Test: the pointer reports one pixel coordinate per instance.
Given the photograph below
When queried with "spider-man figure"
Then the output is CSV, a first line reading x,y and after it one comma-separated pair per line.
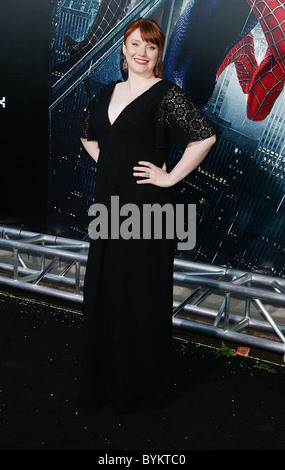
x,y
210,35
205,32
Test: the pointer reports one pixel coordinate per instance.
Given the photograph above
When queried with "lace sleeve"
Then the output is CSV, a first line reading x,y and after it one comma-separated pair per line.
x,y
87,129
180,121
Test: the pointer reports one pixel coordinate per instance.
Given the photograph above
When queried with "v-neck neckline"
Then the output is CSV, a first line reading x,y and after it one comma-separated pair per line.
x,y
130,103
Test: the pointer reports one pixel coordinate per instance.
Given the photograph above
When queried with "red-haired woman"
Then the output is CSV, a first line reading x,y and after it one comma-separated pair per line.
x,y
128,129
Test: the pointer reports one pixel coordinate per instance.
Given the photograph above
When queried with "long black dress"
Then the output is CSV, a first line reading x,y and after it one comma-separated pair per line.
x,y
128,288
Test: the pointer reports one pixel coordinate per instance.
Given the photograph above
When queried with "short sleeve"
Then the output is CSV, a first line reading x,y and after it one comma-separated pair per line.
x,y
87,130
180,121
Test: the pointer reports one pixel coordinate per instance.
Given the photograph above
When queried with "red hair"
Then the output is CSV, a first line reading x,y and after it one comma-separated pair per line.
x,y
150,32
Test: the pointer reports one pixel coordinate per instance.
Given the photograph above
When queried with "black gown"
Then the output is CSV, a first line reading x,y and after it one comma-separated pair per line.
x,y
128,287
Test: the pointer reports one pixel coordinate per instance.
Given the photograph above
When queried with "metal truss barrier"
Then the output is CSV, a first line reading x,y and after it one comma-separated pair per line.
x,y
54,267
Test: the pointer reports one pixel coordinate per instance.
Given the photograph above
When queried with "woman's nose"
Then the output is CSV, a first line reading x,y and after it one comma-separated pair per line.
x,y
142,50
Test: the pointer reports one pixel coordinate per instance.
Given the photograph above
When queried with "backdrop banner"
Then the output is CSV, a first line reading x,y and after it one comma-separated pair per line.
x,y
228,55
24,102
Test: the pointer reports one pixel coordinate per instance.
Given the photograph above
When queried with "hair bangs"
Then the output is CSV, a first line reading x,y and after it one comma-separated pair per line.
x,y
150,32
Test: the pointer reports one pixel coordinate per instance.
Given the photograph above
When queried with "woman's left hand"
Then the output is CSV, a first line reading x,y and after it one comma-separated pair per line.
x,y
155,175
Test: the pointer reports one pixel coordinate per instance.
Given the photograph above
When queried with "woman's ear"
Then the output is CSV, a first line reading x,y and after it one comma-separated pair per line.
x,y
124,48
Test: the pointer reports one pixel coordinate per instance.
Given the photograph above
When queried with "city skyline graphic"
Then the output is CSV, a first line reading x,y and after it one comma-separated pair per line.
x,y
238,189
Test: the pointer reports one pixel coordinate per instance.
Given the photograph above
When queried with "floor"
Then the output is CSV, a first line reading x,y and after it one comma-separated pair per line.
x,y
222,401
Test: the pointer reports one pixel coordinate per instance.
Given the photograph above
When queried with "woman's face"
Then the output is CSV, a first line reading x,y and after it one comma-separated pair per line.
x,y
141,56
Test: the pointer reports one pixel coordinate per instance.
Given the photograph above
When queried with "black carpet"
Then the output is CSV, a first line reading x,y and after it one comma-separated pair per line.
x,y
221,402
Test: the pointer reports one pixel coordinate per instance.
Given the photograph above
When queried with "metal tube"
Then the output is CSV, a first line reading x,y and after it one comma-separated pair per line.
x,y
277,285
252,292
53,239
232,336
77,278
42,290
32,273
15,264
227,311
242,279
43,250
227,272
220,313
33,239
210,314
185,301
241,325
45,271
180,263
67,269
268,317
204,294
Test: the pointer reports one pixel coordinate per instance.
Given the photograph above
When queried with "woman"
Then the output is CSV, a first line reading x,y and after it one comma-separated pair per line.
x,y
128,130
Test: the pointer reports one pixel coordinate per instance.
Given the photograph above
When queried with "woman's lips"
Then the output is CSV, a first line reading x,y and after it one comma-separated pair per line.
x,y
141,61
